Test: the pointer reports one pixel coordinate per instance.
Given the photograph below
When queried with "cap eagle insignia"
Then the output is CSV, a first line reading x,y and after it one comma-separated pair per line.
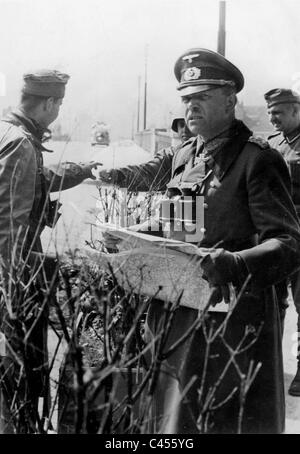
x,y
190,57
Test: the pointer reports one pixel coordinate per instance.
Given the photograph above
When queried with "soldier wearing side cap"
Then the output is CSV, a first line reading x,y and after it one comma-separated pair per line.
x,y
28,274
251,237
284,111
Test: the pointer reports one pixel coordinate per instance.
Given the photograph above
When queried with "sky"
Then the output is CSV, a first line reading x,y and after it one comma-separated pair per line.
x,y
102,45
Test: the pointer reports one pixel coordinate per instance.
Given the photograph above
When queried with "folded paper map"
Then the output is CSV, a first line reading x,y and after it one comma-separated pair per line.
x,y
165,269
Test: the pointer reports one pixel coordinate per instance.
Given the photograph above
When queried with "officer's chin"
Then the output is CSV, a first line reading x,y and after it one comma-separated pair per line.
x,y
194,128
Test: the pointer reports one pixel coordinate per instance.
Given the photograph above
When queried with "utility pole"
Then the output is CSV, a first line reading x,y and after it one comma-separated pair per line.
x,y
145,89
222,31
138,105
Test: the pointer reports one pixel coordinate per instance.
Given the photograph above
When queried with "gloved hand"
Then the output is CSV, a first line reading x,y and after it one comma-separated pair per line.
x,y
87,168
106,176
220,268
218,293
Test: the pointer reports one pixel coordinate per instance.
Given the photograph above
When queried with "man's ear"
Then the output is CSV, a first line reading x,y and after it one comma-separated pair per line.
x,y
49,104
296,110
231,102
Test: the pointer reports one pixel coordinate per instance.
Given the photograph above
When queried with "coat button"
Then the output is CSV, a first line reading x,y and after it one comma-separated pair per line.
x,y
202,230
205,206
212,184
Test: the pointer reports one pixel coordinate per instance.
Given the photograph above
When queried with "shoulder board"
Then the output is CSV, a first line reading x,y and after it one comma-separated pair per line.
x,y
259,141
276,134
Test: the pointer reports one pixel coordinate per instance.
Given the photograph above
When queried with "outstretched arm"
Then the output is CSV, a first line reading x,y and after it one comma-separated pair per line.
x,y
150,176
68,174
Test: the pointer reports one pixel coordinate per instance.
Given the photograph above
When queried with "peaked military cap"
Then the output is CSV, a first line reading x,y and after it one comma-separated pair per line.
x,y
201,69
45,82
281,96
175,121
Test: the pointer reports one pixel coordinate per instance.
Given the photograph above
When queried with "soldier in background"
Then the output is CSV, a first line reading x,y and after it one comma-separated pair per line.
x,y
180,127
284,112
28,275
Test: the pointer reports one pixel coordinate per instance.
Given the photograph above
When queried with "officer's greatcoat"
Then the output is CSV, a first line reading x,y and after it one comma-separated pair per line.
x,y
248,209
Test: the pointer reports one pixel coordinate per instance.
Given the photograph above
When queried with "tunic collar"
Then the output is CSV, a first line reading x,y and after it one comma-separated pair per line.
x,y
223,155
38,133
237,137
295,135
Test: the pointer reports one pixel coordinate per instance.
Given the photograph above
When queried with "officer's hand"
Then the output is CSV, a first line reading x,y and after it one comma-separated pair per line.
x,y
220,268
110,242
87,168
218,293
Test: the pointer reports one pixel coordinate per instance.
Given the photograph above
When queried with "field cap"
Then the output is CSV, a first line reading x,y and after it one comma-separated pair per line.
x,y
45,82
281,96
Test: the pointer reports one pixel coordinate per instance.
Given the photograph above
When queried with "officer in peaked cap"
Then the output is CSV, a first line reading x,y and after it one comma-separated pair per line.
x,y
246,233
201,69
284,111
25,210
202,73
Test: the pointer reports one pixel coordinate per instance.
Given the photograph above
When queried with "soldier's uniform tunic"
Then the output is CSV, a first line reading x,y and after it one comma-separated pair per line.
x,y
290,150
24,212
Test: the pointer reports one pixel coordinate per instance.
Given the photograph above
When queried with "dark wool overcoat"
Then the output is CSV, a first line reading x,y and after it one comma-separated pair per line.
x,y
203,386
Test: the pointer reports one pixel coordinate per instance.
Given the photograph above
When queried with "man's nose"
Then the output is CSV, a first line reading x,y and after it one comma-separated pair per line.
x,y
193,106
